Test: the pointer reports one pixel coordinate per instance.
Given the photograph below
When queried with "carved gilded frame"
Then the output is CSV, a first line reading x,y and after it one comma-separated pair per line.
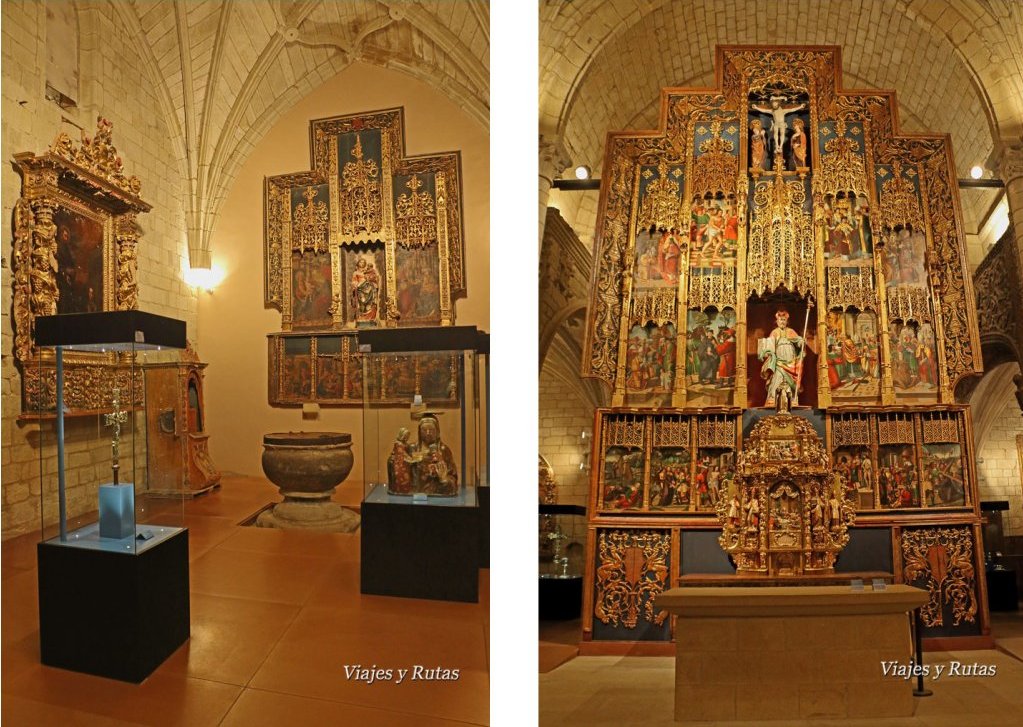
x,y
84,178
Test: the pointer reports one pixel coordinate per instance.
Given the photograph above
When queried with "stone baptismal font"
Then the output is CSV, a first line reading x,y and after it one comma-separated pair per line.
x,y
307,467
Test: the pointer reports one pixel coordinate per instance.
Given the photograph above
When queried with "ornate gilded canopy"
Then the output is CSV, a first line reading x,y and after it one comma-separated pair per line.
x,y
786,513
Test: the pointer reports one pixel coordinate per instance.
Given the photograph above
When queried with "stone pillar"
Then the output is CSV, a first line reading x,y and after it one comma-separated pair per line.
x,y
553,161
1010,169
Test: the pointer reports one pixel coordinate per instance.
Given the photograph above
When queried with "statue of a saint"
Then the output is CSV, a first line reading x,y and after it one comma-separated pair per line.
x,y
365,289
758,145
778,114
399,466
780,353
435,469
798,143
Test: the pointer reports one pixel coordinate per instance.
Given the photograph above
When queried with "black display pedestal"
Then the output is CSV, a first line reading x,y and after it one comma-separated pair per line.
x,y
483,494
561,597
420,551
111,614
1002,594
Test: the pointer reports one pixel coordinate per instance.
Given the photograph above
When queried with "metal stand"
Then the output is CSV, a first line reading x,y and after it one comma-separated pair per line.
x,y
920,691
61,494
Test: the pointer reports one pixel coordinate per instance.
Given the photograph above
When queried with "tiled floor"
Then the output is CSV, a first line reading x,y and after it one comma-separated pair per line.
x,y
639,690
276,616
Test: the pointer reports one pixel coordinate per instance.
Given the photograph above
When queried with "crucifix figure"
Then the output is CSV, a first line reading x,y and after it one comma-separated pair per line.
x,y
115,419
778,114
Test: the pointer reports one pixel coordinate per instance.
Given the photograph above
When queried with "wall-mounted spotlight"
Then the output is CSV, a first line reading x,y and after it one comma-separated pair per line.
x,y
976,171
582,172
204,278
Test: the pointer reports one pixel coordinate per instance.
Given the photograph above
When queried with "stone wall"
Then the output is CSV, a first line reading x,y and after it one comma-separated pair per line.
x,y
564,416
112,84
998,465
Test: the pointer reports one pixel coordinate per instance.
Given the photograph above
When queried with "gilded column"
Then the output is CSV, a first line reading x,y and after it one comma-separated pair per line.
x,y
440,189
618,397
934,283
127,262
44,258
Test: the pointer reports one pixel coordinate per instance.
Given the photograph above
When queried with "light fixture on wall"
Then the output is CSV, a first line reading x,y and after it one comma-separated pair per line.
x,y
200,272
582,172
206,278
976,171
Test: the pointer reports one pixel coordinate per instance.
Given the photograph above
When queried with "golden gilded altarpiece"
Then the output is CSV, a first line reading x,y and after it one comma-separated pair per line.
x,y
370,237
778,243
75,251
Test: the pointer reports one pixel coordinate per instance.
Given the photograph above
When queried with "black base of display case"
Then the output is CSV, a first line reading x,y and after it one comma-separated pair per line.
x,y
561,598
484,541
420,551
110,614
1002,594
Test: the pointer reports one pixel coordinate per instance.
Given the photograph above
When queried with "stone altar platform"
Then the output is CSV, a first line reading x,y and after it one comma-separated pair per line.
x,y
777,653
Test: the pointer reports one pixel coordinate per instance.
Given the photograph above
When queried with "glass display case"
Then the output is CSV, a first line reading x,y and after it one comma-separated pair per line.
x,y
105,539
424,458
95,484
562,547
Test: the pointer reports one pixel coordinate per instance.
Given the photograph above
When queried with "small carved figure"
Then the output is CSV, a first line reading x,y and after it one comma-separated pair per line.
x,y
798,143
399,465
758,145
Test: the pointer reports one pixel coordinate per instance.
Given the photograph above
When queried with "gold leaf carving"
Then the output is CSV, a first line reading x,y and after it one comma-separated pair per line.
x,y
416,216
360,193
309,224
941,560
632,570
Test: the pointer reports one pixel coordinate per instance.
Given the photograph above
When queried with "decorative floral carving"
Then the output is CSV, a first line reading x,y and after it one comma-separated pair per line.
x,y
415,216
632,570
716,167
309,224
97,156
941,560
360,194
781,244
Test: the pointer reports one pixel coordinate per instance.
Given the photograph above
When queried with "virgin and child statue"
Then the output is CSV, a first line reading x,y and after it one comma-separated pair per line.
x,y
781,353
427,466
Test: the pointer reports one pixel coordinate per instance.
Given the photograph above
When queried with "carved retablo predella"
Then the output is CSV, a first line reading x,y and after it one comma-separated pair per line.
x,y
75,251
781,311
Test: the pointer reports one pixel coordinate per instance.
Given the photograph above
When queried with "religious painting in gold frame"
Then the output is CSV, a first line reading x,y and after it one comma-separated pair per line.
x,y
75,251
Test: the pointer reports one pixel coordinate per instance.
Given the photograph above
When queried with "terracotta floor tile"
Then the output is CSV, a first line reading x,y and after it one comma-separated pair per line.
x,y
259,576
294,542
19,711
19,553
237,498
275,610
341,588
19,605
206,532
160,700
256,708
230,638
310,658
